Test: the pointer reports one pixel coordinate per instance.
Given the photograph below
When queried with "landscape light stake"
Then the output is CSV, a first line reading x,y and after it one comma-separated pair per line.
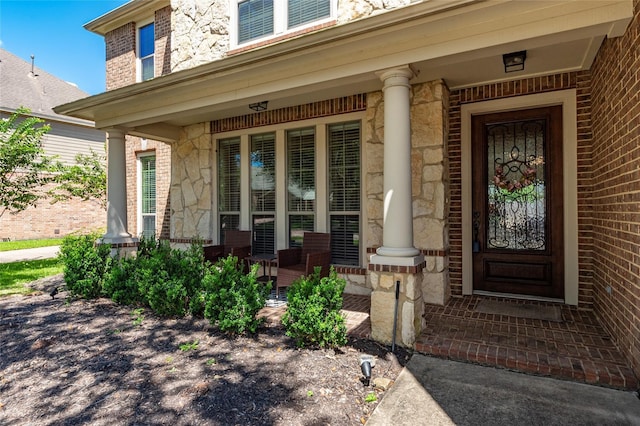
x,y
395,318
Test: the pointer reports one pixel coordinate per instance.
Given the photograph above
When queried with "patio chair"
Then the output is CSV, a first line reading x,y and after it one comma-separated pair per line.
x,y
236,243
297,262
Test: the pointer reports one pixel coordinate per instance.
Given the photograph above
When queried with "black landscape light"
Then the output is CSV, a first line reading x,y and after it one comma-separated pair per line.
x,y
366,364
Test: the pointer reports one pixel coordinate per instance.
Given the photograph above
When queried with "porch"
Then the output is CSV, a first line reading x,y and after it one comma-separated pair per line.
x,y
576,348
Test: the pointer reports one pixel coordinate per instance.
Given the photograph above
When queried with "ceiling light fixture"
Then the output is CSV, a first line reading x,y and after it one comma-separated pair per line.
x,y
259,106
514,61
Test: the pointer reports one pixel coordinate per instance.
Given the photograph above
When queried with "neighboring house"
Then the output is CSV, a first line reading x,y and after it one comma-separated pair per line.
x,y
24,85
458,147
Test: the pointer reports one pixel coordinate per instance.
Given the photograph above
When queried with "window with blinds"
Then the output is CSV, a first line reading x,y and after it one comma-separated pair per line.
x,y
344,192
146,41
302,11
263,192
229,184
301,183
148,195
255,19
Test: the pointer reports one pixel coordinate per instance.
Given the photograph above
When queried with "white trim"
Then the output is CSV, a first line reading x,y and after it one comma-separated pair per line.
x,y
321,212
140,25
139,221
566,98
279,22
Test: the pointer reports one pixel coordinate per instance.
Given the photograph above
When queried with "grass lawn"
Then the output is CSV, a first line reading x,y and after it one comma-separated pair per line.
x,y
14,275
26,244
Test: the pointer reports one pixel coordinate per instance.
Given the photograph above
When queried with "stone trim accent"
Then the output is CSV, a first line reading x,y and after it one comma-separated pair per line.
x,y
308,111
426,252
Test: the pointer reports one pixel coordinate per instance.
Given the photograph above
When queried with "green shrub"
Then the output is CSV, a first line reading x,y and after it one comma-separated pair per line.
x,y
313,315
167,280
120,284
231,298
85,264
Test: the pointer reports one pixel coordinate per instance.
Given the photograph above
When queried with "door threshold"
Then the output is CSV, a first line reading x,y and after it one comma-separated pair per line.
x,y
518,296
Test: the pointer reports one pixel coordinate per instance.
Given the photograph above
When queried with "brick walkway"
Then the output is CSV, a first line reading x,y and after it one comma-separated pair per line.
x,y
577,348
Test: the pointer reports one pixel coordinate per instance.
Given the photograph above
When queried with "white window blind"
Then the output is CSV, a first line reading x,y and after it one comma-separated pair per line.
x,y
255,19
263,193
344,192
301,184
148,195
229,184
303,11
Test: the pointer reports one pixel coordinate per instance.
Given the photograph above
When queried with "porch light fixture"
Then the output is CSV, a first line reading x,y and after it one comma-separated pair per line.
x,y
259,106
514,61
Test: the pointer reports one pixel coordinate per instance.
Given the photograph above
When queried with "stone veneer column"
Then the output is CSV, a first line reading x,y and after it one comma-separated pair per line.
x,y
116,190
397,232
397,260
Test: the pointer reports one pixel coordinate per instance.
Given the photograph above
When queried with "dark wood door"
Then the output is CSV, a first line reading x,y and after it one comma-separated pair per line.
x,y
517,202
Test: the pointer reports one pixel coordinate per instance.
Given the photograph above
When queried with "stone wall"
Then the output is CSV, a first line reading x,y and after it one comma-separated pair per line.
x,y
191,184
429,128
200,32
350,10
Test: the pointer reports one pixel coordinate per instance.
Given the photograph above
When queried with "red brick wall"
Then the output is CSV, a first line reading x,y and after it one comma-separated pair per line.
x,y
162,28
162,151
574,80
121,72
616,188
121,56
48,220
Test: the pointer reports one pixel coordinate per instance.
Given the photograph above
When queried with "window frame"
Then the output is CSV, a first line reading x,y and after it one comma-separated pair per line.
x,y
322,214
140,25
280,22
140,192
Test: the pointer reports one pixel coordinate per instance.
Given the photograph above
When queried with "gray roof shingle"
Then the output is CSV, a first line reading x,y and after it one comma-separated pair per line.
x,y
38,91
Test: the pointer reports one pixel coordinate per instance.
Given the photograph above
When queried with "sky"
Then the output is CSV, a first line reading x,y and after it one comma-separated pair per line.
x,y
53,31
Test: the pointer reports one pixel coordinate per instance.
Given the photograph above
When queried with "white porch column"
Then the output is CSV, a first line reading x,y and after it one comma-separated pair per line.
x,y
397,234
116,190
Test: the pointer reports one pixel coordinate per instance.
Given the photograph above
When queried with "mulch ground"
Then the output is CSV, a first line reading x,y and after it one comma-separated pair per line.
x,y
75,362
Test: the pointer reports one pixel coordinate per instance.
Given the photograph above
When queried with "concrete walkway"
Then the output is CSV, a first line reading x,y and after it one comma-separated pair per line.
x,y
29,254
432,391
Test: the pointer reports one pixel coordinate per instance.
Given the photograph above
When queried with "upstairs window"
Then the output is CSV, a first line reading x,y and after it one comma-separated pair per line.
x,y
146,51
303,11
255,19
259,19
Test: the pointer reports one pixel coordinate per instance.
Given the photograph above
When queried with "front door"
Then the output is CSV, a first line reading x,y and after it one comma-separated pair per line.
x,y
517,202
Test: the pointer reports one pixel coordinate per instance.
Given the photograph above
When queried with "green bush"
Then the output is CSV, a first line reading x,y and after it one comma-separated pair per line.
x,y
167,280
85,264
231,298
313,315
120,284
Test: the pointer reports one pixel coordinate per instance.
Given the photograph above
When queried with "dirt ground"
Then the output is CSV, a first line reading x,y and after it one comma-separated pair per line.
x,y
93,362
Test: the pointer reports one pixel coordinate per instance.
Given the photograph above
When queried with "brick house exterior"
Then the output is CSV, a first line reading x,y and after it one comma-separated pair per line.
x,y
416,224
25,86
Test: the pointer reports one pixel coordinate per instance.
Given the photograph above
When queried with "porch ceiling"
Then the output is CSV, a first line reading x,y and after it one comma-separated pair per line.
x,y
459,41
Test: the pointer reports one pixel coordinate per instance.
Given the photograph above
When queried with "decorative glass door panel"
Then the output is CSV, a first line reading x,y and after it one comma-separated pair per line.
x,y
516,185
517,202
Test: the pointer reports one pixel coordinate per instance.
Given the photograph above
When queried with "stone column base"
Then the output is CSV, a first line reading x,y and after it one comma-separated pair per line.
x,y
410,319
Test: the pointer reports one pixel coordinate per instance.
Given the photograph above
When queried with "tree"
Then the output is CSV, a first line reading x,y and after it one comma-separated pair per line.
x,y
24,167
87,179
